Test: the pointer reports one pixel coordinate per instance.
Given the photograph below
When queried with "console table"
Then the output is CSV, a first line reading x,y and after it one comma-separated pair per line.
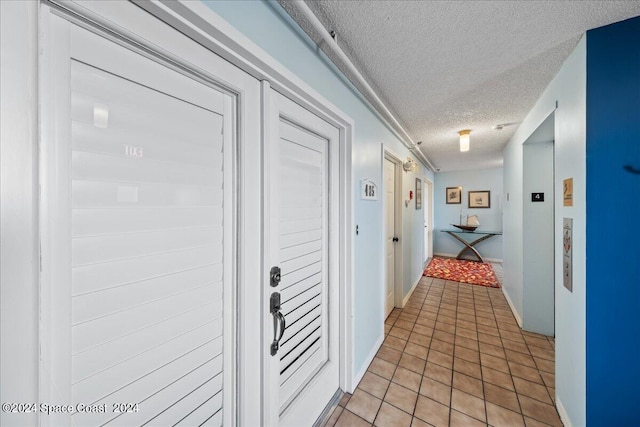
x,y
478,236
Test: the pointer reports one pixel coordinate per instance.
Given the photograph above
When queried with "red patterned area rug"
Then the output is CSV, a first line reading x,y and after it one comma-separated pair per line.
x,y
474,273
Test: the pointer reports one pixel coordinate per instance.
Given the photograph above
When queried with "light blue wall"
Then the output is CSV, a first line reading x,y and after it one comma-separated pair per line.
x,y
568,89
445,215
269,26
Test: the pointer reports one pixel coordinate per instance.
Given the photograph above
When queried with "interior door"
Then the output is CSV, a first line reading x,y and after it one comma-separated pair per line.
x,y
301,294
138,208
425,210
390,234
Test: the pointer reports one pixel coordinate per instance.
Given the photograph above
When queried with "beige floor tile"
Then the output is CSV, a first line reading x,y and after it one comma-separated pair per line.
x,y
417,422
404,325
348,419
397,332
468,404
390,416
521,371
477,366
438,373
458,419
364,405
523,359
345,399
489,339
467,333
374,384
432,412
435,390
412,363
498,416
493,350
468,384
516,346
467,343
540,411
407,378
442,346
467,354
440,358
383,368
416,350
498,378
545,365
420,339
494,362
502,397
467,368
444,336
389,354
531,389
401,397
395,343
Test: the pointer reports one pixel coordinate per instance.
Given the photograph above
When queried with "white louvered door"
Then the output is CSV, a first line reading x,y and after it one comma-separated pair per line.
x,y
138,195
303,374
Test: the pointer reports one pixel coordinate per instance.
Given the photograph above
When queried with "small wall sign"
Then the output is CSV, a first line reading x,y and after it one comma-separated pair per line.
x,y
368,190
537,197
567,192
567,253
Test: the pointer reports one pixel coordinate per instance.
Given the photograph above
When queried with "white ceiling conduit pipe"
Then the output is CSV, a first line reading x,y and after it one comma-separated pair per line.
x,y
300,8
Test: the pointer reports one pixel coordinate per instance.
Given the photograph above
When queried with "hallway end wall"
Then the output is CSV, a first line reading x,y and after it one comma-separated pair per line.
x,y
446,214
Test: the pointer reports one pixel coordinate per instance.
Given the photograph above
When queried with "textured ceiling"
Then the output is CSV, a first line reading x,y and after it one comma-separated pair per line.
x,y
444,66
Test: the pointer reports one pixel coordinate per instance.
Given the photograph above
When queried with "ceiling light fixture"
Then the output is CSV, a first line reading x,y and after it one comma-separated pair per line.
x,y
464,139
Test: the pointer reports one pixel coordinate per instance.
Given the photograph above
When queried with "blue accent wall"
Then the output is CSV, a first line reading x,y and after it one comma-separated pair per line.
x,y
613,205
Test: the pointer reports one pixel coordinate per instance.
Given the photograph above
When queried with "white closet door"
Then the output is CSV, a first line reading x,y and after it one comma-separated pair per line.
x,y
304,368
138,190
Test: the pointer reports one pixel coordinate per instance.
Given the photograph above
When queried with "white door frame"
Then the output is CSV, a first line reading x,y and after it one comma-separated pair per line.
x,y
428,204
397,292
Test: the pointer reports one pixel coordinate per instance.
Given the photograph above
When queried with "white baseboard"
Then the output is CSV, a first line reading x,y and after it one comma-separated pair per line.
x,y
413,288
358,377
564,417
455,255
513,309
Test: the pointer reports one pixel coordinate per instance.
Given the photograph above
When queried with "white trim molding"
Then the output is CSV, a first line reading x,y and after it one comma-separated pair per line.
x,y
564,417
413,288
513,308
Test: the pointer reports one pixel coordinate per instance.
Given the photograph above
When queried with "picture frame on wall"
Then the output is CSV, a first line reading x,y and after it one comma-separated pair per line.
x,y
479,199
418,193
454,195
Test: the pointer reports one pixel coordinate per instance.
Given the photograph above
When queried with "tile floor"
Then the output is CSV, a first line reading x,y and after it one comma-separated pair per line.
x,y
455,356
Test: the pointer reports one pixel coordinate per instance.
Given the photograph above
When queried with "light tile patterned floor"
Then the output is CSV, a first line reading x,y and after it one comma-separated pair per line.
x,y
455,356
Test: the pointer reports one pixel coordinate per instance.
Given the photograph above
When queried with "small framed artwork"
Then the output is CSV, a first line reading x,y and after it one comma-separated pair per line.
x,y
418,193
479,199
454,195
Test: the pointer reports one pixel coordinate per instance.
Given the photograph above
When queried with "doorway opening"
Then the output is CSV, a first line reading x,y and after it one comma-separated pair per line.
x,y
538,230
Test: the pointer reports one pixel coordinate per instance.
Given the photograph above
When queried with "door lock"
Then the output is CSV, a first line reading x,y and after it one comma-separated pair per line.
x,y
275,276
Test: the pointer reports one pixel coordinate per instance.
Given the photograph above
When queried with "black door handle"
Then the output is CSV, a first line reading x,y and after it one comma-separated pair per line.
x,y
278,321
395,239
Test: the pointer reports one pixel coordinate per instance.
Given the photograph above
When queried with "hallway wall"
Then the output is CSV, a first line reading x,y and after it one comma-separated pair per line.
x,y
567,91
271,28
447,214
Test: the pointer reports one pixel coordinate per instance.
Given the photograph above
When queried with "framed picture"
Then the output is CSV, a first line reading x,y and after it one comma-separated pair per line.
x,y
479,199
418,193
454,195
